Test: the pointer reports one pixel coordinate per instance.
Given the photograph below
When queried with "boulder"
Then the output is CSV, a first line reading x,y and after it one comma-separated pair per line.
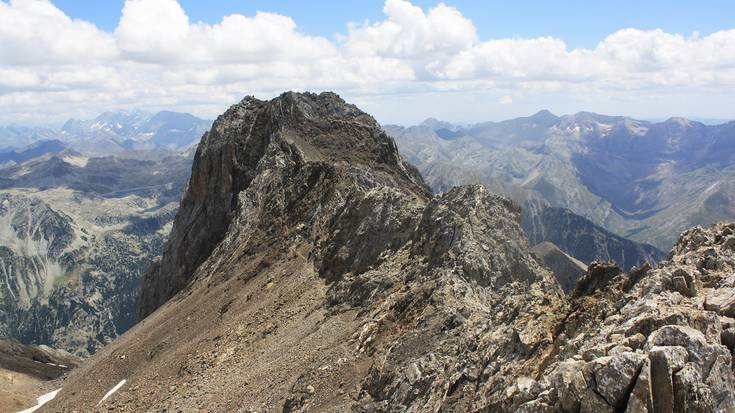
x,y
641,398
665,361
721,301
570,384
594,403
615,376
690,394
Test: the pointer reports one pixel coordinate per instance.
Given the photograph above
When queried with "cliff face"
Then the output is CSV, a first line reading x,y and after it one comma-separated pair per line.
x,y
311,270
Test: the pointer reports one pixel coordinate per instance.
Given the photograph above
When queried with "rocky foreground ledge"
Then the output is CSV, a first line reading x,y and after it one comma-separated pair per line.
x,y
652,340
309,269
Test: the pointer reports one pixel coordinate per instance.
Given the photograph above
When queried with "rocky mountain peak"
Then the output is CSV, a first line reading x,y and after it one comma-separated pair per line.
x,y
436,124
321,133
302,218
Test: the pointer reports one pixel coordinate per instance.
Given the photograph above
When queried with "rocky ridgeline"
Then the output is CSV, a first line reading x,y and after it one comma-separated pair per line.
x,y
309,269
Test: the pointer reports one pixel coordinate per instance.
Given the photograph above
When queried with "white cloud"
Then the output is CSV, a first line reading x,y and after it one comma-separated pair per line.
x,y
159,31
36,32
53,67
410,33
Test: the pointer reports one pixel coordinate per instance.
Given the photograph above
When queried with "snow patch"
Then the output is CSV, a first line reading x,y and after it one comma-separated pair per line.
x,y
113,390
41,401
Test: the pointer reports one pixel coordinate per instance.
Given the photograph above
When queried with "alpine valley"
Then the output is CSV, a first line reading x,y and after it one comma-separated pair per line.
x,y
84,210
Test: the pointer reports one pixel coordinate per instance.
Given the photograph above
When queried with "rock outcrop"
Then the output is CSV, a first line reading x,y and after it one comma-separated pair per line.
x,y
310,269
652,340
42,362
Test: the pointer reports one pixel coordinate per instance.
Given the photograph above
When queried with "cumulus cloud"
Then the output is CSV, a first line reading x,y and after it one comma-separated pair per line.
x,y
52,66
409,33
159,31
36,32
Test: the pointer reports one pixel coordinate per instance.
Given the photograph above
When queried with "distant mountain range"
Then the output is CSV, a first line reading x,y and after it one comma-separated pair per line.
x,y
642,180
76,234
112,133
37,149
16,136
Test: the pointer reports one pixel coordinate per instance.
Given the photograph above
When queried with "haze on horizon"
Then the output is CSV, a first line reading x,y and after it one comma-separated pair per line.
x,y
402,62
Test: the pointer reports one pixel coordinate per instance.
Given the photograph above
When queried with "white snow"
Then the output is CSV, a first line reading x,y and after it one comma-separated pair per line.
x,y
41,401
112,391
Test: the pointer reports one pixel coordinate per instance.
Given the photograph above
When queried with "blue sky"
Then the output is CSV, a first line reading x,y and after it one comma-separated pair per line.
x,y
579,23
400,60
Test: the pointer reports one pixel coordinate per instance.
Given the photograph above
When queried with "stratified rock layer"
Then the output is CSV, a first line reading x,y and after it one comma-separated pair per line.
x,y
311,270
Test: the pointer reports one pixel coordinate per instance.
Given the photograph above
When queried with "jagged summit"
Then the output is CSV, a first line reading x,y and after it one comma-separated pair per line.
x,y
544,116
322,131
437,124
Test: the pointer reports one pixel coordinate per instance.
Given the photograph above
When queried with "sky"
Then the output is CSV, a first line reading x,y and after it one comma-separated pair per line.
x,y
402,61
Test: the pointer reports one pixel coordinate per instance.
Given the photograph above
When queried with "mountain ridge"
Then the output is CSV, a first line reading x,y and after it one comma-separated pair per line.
x,y
113,132
211,226
338,234
341,283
